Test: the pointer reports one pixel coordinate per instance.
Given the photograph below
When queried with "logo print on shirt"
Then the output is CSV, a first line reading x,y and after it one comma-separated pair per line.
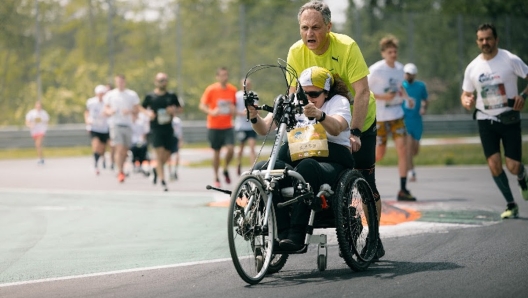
x,y
336,59
487,77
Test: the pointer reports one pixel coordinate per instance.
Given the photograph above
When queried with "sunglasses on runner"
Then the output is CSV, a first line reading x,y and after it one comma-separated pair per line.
x,y
314,94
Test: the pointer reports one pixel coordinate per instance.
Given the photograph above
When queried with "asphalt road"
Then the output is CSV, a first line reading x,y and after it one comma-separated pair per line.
x,y
65,232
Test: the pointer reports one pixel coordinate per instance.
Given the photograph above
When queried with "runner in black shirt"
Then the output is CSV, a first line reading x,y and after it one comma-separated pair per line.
x,y
161,105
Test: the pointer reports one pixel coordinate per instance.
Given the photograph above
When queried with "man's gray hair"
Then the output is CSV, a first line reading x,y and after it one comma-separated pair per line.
x,y
318,6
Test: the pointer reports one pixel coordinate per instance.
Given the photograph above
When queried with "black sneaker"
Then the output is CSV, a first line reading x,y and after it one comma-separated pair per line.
x,y
380,252
226,176
164,185
405,195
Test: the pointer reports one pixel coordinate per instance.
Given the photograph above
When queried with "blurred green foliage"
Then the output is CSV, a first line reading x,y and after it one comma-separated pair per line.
x,y
84,43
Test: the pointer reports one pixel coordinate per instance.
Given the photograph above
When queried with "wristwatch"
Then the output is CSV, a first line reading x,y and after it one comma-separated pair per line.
x,y
523,95
323,117
356,132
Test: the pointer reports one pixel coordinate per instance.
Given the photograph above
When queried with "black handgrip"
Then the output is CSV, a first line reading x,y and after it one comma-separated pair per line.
x,y
303,100
249,100
218,189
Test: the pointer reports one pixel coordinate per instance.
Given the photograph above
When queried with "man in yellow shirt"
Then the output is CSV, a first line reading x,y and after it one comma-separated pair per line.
x,y
341,55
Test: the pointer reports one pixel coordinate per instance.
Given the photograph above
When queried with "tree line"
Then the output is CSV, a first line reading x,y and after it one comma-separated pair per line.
x,y
74,45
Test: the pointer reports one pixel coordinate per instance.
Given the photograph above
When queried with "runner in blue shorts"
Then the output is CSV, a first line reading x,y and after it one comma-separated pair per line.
x,y
413,116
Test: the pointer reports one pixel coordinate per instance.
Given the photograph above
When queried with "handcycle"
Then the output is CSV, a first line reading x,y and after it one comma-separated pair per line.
x,y
348,205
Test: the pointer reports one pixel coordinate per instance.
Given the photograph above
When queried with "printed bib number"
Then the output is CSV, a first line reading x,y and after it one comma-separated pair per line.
x,y
308,141
494,96
223,107
163,117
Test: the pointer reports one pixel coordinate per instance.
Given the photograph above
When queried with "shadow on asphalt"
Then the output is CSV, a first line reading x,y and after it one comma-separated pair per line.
x,y
383,269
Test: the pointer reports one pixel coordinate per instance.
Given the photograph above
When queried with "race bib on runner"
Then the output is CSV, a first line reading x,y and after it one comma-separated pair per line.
x,y
308,141
163,117
223,107
494,96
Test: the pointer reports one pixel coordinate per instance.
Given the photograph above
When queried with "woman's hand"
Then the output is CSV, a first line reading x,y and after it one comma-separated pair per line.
x,y
253,112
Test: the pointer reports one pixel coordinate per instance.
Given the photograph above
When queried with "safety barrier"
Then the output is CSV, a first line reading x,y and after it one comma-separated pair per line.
x,y
66,135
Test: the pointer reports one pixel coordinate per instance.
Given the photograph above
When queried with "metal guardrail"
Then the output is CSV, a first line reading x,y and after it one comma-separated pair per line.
x,y
67,135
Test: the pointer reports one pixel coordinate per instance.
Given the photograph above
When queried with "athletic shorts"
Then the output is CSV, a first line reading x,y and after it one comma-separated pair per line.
x,y
243,135
103,137
414,128
365,158
139,152
492,132
220,137
394,127
121,135
163,139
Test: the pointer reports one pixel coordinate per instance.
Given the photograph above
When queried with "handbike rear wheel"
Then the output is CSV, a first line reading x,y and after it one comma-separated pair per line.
x,y
356,220
250,238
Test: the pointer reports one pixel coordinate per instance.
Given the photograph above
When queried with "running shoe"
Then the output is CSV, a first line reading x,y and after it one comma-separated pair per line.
x,y
511,212
226,176
523,186
216,183
121,177
405,195
380,251
164,185
96,171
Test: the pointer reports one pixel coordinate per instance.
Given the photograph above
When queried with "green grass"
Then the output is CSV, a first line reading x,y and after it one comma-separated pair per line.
x,y
445,155
24,153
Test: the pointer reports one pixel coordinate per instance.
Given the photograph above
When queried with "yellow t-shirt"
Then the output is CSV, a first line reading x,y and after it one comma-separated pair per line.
x,y
343,57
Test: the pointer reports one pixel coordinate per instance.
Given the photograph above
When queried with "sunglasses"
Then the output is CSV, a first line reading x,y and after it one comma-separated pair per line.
x,y
314,94
162,80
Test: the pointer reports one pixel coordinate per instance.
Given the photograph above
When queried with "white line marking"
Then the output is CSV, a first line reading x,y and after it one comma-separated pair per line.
x,y
130,192
53,279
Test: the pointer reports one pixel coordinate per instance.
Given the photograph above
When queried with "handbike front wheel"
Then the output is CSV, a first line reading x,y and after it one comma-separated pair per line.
x,y
250,237
356,221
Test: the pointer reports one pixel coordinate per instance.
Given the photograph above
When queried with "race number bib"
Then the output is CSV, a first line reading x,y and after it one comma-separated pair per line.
x,y
223,107
494,96
308,141
163,117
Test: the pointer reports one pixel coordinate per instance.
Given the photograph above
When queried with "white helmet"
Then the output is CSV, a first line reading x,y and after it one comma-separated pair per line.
x,y
410,69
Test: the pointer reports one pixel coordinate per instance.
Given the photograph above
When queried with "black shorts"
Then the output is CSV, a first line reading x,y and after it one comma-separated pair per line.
x,y
365,158
220,137
243,135
103,137
139,152
492,132
163,139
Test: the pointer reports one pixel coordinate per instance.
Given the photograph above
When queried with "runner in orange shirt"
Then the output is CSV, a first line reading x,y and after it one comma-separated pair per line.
x,y
218,102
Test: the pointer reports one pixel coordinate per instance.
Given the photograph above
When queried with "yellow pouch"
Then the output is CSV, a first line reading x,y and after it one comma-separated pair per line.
x,y
308,141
